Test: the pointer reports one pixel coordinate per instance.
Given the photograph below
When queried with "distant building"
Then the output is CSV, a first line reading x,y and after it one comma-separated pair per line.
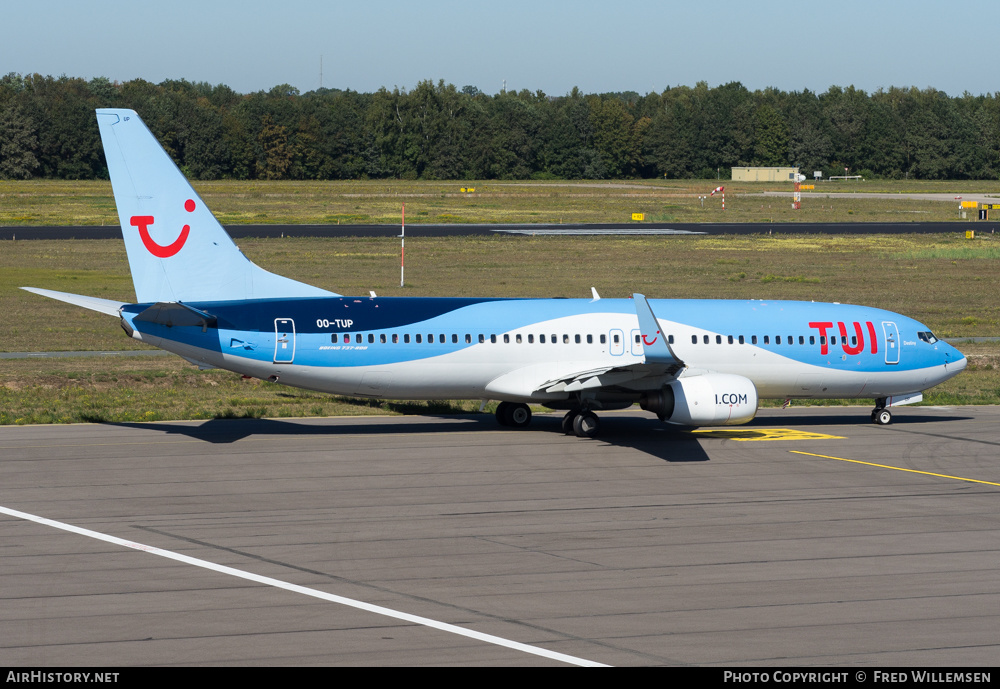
x,y
765,174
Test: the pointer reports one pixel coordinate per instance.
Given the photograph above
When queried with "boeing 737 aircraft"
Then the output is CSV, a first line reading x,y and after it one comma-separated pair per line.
x,y
690,362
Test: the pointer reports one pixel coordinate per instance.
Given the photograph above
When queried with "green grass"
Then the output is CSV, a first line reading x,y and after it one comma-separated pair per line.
x,y
51,202
945,281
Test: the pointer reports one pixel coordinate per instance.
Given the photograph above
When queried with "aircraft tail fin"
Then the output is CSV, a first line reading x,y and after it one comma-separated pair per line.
x,y
177,250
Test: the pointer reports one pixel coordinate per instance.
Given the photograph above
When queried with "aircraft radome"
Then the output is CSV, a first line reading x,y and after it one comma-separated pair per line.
x,y
690,362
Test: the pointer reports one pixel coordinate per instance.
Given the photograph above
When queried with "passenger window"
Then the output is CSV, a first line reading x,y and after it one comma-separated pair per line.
x,y
418,338
517,338
531,339
670,339
767,339
604,339
371,338
555,340
541,339
718,339
506,338
730,338
577,339
333,338
590,339
565,338
812,339
777,340
482,338
493,339
742,341
406,338
705,339
802,340
395,338
753,339
468,338
454,338
358,338
694,339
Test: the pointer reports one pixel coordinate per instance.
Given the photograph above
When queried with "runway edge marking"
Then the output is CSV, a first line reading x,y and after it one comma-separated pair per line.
x,y
330,597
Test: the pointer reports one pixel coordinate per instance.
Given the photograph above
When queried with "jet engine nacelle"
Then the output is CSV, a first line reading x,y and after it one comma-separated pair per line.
x,y
712,399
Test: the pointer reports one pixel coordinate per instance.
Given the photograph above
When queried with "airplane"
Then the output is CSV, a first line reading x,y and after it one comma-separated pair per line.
x,y
692,362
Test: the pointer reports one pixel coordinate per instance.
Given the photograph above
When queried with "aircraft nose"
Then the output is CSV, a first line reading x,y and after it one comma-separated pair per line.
x,y
954,360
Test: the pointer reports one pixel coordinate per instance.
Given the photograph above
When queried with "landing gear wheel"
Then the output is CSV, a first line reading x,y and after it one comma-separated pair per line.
x,y
503,414
586,425
883,417
518,415
567,421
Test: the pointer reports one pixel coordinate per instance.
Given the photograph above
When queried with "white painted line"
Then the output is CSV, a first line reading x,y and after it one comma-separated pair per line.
x,y
377,609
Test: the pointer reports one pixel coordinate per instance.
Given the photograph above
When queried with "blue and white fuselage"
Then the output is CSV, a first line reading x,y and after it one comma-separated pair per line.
x,y
532,350
693,362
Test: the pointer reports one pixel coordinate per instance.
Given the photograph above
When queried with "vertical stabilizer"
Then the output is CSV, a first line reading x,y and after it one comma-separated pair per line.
x,y
177,250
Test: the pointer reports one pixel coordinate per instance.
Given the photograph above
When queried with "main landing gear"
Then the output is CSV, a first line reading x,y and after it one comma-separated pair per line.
x,y
515,415
881,415
581,422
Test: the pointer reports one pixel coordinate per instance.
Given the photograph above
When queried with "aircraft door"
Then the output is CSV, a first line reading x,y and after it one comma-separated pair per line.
x,y
616,342
891,342
284,340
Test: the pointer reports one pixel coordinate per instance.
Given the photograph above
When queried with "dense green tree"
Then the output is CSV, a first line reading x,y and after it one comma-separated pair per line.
x,y
436,131
18,144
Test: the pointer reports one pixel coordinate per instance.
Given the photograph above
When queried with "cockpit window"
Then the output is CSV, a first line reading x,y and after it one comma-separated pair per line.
x,y
927,337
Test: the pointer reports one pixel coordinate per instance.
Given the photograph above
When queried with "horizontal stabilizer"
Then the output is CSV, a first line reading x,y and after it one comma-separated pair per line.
x,y
107,306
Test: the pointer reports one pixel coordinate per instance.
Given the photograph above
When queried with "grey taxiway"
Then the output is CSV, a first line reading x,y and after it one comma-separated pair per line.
x,y
809,537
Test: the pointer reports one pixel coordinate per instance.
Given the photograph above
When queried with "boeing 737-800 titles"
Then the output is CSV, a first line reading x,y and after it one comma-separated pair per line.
x,y
691,362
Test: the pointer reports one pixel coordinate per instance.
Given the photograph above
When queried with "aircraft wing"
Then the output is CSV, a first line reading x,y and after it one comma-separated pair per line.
x,y
112,308
608,377
659,362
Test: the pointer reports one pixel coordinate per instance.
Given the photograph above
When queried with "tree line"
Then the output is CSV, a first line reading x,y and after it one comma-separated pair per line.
x,y
437,131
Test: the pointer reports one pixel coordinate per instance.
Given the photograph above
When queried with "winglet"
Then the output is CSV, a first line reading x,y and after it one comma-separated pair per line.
x,y
654,342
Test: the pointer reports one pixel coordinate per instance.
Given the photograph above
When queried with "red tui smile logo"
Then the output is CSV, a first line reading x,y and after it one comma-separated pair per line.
x,y
160,251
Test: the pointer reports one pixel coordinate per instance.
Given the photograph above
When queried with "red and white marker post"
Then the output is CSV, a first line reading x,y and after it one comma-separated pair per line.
x,y
402,248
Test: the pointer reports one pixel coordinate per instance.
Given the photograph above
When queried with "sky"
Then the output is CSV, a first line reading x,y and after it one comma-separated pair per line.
x,y
547,45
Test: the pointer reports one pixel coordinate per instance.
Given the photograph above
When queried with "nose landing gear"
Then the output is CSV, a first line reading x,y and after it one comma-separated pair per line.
x,y
881,415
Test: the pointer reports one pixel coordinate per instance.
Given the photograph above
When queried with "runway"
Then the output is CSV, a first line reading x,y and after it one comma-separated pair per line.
x,y
809,537
456,230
